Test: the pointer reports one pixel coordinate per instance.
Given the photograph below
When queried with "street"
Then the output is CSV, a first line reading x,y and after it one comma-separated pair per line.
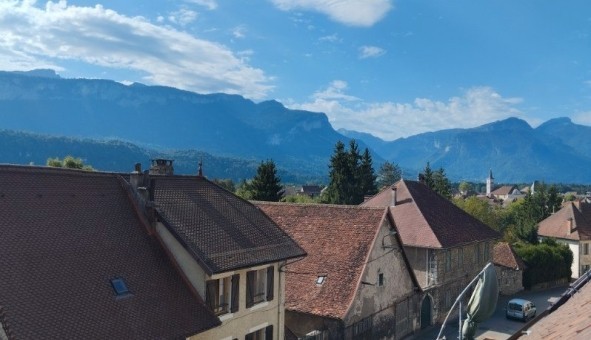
x,y
498,326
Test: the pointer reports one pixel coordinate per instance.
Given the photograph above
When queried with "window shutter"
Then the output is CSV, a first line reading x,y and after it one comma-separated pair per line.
x,y
250,288
211,292
270,282
269,332
235,293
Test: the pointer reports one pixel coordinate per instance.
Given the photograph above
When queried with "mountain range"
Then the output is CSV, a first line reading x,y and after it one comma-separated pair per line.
x,y
112,126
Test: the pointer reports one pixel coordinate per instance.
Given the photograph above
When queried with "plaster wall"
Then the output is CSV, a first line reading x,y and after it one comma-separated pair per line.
x,y
245,320
379,302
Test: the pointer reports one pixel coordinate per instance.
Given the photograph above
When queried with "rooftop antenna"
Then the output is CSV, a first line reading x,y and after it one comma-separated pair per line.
x,y
200,173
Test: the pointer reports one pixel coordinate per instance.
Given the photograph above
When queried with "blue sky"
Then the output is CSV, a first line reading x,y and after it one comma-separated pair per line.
x,y
391,68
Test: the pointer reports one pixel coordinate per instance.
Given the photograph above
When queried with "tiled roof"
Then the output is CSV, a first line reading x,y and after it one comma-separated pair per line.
x,y
504,255
571,320
223,231
337,240
428,220
556,225
64,235
504,190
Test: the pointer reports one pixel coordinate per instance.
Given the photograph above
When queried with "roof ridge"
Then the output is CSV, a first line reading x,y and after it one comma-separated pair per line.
x,y
337,206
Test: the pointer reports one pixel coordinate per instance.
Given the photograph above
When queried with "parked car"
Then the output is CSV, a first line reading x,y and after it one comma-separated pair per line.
x,y
520,309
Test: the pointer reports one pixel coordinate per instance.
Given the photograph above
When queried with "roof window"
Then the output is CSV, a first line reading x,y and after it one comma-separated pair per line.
x,y
120,287
320,280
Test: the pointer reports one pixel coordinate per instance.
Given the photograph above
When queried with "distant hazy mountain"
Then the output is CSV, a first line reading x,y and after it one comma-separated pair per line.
x,y
166,118
117,156
554,152
234,134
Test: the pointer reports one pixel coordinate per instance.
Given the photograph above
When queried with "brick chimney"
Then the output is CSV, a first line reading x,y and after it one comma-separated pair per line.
x,y
393,204
162,167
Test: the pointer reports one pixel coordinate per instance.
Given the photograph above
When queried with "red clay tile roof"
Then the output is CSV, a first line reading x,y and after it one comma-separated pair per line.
x,y
504,190
572,320
338,240
504,255
427,220
223,231
64,235
556,225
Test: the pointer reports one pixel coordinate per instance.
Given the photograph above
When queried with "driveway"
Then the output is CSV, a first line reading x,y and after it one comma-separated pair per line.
x,y
498,327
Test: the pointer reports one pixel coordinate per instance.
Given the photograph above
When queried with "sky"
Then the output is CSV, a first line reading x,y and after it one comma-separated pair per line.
x,y
392,68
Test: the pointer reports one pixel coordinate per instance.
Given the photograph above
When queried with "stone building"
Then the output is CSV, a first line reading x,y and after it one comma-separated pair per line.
x,y
355,282
446,247
509,267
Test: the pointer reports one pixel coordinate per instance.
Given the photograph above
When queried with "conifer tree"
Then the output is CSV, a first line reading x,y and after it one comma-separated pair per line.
x,y
367,177
388,174
266,186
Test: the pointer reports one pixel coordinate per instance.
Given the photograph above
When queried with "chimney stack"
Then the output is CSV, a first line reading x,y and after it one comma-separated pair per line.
x,y
569,225
393,196
162,167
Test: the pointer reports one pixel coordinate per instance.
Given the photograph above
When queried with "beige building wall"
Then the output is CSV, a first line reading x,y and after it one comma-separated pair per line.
x,y
380,302
245,320
2,334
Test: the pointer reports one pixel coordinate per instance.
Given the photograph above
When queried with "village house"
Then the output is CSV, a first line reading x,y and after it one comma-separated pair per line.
x,y
77,262
509,267
571,225
355,282
136,256
446,247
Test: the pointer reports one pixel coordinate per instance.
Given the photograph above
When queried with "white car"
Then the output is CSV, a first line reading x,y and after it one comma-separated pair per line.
x,y
520,309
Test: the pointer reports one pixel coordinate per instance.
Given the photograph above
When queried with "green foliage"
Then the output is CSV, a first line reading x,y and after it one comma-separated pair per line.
x,y
545,261
351,175
388,174
480,209
68,162
225,183
465,187
244,190
367,177
437,181
266,186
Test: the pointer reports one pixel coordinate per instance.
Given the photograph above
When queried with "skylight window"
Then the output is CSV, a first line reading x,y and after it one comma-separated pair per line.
x,y
320,280
120,287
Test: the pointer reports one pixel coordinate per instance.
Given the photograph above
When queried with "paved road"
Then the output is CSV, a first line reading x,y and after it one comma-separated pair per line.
x,y
498,327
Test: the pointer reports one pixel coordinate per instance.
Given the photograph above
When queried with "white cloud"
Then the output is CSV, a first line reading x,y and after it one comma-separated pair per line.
x,y
182,17
33,37
389,120
333,38
239,32
209,4
350,12
371,52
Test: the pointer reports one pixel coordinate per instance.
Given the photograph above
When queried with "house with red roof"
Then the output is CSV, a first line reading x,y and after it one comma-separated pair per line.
x,y
509,267
355,282
446,247
571,225
140,256
77,262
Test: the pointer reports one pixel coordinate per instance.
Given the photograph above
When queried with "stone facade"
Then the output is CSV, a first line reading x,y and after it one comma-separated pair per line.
x,y
444,273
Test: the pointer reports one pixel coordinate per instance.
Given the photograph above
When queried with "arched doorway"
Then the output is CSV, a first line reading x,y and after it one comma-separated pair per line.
x,y
426,312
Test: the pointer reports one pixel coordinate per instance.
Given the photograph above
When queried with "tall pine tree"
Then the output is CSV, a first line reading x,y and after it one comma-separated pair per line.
x,y
388,174
265,186
351,175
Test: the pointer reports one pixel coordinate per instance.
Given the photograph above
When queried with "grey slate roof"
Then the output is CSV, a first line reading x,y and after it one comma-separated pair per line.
x,y
222,231
64,234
